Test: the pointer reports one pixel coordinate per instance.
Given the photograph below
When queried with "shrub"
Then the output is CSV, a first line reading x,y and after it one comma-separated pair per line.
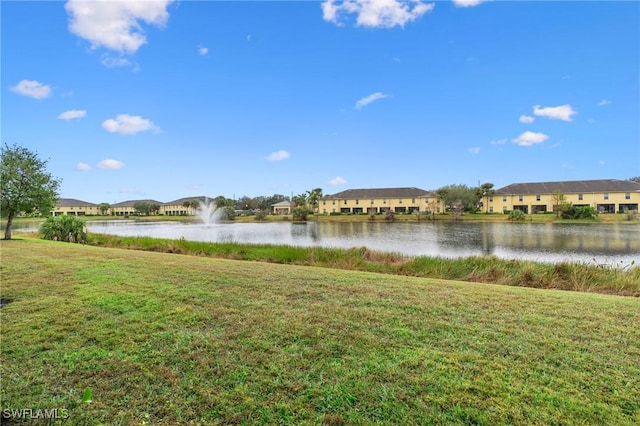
x,y
228,213
389,215
517,215
631,214
261,214
300,213
585,212
64,228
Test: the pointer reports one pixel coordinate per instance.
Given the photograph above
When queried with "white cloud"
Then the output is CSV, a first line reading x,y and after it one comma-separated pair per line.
x,y
604,102
203,50
337,181
530,138
111,62
368,99
248,37
562,112
498,141
33,89
110,164
474,150
128,124
527,119
115,25
278,155
376,13
468,3
72,114
83,167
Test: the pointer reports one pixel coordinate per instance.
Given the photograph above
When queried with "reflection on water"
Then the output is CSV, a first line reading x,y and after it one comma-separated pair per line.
x,y
603,243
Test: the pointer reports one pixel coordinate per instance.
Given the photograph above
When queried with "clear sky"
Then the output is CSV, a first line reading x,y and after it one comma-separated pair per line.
x,y
168,99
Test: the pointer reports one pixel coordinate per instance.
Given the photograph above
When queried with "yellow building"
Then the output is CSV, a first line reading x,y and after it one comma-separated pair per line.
x,y
183,206
73,207
127,208
380,200
605,195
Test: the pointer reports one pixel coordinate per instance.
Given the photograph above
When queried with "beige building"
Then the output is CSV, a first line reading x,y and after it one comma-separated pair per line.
x,y
282,208
73,207
183,206
380,200
127,208
605,195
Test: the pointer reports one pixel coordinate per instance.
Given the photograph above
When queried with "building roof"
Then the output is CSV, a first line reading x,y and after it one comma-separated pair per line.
x,y
284,203
131,203
181,201
570,187
381,193
72,202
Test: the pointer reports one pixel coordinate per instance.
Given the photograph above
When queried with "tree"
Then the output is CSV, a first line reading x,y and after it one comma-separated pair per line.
x,y
635,179
300,211
485,190
142,208
558,201
313,198
25,184
221,201
104,207
453,194
433,207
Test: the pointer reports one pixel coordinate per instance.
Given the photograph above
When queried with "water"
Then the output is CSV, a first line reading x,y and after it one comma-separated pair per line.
x,y
611,244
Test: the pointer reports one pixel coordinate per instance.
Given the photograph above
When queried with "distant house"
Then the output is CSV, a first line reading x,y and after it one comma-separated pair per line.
x,y
282,207
127,208
73,207
379,200
182,206
605,195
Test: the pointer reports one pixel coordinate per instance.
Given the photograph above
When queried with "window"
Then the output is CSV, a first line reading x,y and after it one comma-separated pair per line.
x,y
345,202
333,202
357,202
413,200
324,203
580,197
519,197
504,198
627,195
384,201
606,195
491,198
504,208
400,201
490,209
537,198
372,201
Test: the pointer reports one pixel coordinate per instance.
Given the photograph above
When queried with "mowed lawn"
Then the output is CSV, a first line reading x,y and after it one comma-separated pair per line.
x,y
174,339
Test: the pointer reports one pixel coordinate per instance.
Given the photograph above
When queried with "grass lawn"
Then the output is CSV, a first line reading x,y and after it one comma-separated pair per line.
x,y
174,339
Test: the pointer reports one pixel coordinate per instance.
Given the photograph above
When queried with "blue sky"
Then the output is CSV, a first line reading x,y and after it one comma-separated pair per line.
x,y
168,99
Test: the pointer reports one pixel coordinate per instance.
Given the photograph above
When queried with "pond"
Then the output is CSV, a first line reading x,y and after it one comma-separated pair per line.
x,y
611,244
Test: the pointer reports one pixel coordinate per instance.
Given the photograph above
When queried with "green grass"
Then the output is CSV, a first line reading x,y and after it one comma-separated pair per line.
x,y
591,277
169,339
